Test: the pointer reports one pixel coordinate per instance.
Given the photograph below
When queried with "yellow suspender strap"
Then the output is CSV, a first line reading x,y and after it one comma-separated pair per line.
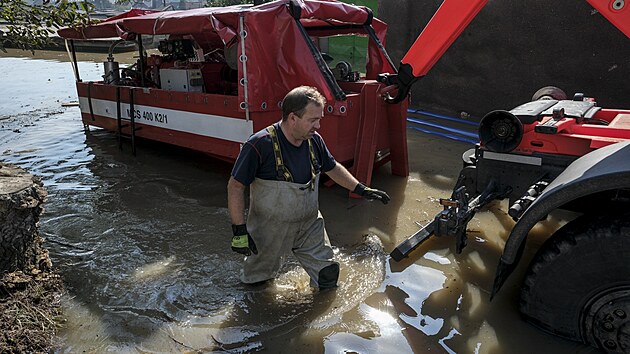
x,y
282,172
313,163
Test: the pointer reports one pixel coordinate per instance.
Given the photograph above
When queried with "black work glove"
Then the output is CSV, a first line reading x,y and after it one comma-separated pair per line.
x,y
371,193
242,242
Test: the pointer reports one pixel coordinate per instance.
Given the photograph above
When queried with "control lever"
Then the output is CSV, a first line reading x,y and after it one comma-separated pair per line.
x,y
549,127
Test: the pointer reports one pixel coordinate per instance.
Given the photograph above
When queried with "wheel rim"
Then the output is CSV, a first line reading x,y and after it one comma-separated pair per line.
x,y
607,321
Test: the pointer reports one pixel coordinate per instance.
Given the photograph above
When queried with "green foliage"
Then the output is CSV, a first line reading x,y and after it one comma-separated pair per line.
x,y
219,3
29,27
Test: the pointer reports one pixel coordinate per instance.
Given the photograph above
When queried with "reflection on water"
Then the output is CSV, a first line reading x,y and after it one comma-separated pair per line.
x,y
142,244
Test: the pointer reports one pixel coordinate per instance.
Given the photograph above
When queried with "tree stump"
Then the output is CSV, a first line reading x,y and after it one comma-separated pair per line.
x,y
21,199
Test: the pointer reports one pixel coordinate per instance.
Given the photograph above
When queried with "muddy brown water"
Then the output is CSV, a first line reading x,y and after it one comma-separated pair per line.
x,y
142,244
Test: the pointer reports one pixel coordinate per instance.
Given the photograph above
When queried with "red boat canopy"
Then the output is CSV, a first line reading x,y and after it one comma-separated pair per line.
x,y
107,28
277,55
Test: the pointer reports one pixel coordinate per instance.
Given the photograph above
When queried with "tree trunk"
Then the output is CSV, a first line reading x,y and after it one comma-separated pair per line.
x,y
21,199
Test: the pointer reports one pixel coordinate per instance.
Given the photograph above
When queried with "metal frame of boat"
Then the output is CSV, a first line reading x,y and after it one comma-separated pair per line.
x,y
277,48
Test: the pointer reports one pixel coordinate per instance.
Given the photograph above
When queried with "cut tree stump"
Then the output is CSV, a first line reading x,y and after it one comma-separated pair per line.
x,y
21,203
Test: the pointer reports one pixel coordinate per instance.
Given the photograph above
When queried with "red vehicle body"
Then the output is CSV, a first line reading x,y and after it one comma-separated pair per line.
x,y
595,128
547,154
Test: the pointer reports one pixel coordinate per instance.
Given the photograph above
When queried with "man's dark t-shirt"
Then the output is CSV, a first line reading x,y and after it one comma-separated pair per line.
x,y
256,158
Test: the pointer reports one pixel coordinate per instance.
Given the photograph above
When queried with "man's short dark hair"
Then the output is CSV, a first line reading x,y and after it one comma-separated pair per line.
x,y
297,99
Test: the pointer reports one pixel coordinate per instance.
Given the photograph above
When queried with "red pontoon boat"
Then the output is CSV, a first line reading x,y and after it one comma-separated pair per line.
x,y
222,73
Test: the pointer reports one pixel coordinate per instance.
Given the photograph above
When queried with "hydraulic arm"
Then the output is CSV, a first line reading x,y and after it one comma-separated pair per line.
x,y
616,12
452,17
444,27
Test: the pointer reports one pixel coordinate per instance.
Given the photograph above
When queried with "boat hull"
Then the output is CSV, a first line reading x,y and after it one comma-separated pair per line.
x,y
369,129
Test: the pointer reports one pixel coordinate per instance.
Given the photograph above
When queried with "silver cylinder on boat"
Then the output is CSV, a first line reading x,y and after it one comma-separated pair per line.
x,y
112,74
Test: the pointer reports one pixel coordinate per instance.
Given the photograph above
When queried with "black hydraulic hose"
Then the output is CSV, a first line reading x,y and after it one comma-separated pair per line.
x,y
381,48
321,64
110,52
296,11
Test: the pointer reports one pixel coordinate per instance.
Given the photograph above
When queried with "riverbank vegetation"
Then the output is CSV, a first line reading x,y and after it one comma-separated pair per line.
x,y
29,26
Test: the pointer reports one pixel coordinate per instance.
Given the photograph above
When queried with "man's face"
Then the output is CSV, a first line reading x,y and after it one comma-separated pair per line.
x,y
306,125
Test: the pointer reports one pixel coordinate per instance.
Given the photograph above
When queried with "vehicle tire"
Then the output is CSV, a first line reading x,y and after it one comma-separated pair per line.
x,y
578,284
549,93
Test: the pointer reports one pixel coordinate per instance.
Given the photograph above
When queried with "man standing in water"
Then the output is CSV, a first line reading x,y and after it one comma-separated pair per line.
x,y
281,165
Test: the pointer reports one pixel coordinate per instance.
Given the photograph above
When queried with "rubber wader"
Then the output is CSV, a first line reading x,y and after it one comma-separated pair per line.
x,y
284,216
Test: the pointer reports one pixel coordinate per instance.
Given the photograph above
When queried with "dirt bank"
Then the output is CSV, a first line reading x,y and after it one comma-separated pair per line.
x,y
29,291
30,311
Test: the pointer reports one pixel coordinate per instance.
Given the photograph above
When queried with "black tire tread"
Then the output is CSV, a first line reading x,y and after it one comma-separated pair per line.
x,y
564,246
550,91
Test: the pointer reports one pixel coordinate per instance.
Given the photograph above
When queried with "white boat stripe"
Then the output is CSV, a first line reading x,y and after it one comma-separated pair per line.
x,y
221,127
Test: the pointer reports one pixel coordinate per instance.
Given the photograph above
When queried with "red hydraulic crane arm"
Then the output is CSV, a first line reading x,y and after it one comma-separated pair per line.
x,y
616,12
444,27
452,17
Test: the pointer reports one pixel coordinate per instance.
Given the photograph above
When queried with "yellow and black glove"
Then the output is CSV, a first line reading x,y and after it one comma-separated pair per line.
x,y
371,193
242,242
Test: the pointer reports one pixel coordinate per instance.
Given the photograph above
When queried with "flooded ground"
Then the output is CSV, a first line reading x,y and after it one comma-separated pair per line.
x,y
142,244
